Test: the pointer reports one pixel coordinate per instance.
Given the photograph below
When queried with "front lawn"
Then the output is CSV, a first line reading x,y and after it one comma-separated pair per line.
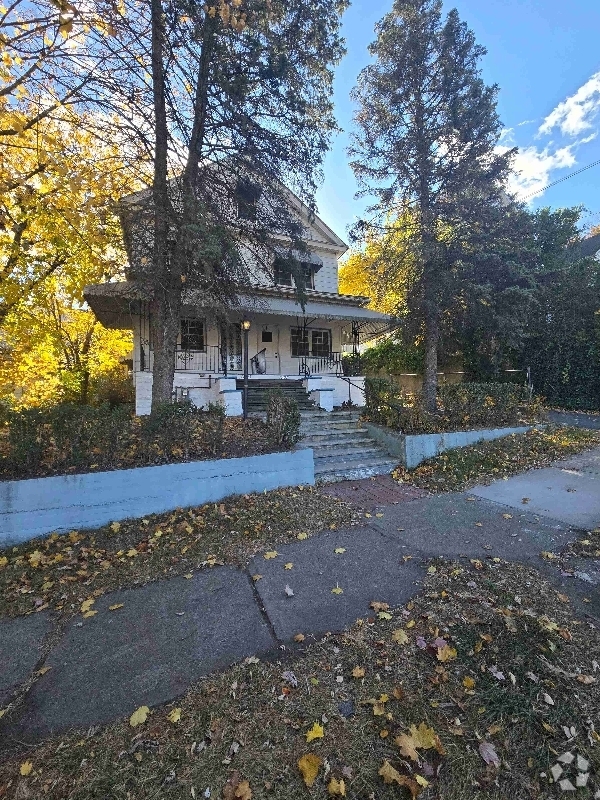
x,y
60,571
459,469
483,687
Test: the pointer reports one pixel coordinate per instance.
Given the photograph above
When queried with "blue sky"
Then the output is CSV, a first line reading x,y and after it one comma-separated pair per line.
x,y
545,57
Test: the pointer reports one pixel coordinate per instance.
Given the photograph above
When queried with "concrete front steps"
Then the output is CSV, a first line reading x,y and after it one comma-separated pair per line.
x,y
258,393
342,447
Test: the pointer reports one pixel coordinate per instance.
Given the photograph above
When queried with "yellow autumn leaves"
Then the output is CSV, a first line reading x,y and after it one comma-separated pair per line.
x,y
229,13
309,766
141,714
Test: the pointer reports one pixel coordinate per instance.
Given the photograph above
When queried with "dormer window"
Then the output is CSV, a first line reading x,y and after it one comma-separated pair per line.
x,y
247,196
283,273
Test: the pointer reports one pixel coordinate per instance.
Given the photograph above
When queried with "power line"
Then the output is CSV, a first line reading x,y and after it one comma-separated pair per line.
x,y
560,180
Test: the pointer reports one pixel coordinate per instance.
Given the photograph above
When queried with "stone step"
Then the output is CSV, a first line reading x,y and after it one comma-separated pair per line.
x,y
323,458
337,439
265,395
273,383
354,469
339,428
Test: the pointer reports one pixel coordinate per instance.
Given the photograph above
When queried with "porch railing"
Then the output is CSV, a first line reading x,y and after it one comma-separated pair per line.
x,y
208,360
321,365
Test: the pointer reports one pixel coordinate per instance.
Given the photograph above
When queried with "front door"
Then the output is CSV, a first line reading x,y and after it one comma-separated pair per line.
x,y
268,340
231,348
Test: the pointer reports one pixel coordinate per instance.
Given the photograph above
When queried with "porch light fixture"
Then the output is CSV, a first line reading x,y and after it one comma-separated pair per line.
x,y
245,328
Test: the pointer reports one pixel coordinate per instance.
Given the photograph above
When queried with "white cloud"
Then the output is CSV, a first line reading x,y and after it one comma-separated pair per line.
x,y
576,113
532,168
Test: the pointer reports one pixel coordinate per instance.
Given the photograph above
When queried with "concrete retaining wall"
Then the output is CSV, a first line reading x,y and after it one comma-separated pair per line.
x,y
412,450
39,506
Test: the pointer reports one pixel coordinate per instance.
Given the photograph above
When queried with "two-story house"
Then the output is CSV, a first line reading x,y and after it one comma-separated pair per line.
x,y
285,343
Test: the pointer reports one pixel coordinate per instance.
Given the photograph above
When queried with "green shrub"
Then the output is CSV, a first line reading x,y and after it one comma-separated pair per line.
x,y
283,418
459,407
63,438
71,438
486,404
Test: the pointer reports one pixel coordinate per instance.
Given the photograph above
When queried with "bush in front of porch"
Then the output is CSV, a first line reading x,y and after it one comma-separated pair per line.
x,y
71,439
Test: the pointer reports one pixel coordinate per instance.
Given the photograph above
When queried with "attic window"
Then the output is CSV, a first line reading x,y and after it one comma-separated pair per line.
x,y
247,195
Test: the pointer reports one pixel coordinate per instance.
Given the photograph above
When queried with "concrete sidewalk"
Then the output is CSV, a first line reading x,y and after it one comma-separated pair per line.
x,y
170,633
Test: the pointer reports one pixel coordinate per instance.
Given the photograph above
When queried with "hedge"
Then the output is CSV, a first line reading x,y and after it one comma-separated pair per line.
x,y
461,406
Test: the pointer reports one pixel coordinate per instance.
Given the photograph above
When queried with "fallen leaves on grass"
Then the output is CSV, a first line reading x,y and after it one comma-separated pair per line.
x,y
309,766
399,636
236,788
316,732
391,775
411,696
26,768
61,570
358,672
174,715
488,752
419,738
455,470
139,716
336,788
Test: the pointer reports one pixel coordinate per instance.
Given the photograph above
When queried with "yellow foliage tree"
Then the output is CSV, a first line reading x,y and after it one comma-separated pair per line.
x,y
59,231
54,352
59,185
382,269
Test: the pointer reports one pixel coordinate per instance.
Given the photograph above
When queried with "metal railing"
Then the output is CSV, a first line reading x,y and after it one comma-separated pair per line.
x,y
320,365
208,360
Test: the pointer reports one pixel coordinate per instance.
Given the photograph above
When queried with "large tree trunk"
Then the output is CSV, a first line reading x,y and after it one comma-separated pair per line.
x,y
431,359
167,297
165,329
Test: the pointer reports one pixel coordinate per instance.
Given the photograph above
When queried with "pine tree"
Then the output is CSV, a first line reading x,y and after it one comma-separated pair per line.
x,y
425,138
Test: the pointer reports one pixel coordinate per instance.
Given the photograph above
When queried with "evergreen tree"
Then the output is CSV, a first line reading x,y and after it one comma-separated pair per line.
x,y
425,138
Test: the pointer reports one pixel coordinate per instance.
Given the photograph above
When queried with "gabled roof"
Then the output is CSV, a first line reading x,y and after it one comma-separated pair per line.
x,y
326,237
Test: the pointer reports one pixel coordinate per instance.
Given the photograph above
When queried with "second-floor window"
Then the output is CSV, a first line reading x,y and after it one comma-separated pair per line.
x,y
247,196
192,334
283,273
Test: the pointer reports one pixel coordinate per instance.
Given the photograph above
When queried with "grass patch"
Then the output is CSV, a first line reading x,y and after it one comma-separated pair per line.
x,y
60,571
491,660
458,469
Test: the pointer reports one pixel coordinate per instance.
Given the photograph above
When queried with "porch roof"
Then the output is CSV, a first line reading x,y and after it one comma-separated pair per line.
x,y
115,304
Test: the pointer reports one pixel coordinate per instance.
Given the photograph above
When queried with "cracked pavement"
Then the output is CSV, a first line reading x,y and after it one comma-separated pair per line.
x,y
170,633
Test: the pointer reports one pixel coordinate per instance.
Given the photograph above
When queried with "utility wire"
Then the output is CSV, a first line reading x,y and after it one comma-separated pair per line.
x,y
560,180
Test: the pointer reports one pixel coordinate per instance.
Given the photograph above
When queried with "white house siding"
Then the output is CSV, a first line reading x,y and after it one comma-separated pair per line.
x,y
205,388
326,279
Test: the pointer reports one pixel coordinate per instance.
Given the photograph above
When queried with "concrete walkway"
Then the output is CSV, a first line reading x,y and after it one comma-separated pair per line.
x,y
170,633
